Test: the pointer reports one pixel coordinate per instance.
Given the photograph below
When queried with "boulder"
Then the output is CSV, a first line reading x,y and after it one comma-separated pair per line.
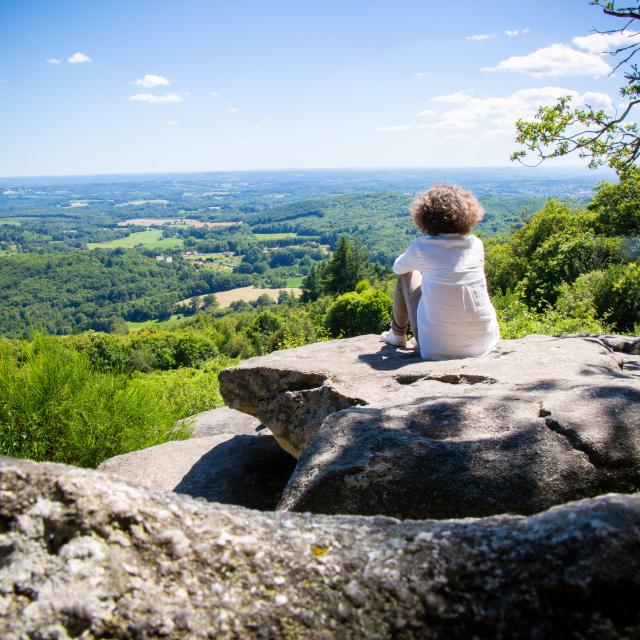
x,y
222,420
444,458
537,422
83,554
247,470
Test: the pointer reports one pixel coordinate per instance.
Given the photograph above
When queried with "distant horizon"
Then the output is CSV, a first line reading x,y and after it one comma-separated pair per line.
x,y
541,169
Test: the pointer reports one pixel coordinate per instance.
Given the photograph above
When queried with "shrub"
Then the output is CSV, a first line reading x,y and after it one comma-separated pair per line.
x,y
517,320
353,314
616,295
55,406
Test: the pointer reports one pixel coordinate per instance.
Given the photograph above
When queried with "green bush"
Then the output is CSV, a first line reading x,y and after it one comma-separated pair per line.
x,y
614,294
353,314
55,406
517,320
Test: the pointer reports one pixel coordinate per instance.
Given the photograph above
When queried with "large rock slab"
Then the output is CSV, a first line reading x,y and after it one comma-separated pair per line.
x,y
84,555
537,422
246,470
291,392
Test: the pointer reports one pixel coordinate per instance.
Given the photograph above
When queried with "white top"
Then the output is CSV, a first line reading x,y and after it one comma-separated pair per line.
x,y
455,316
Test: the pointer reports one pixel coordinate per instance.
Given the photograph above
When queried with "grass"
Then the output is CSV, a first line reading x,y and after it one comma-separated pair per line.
x,y
275,236
295,281
151,238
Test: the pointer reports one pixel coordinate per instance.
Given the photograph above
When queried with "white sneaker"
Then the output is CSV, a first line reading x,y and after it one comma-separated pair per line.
x,y
393,338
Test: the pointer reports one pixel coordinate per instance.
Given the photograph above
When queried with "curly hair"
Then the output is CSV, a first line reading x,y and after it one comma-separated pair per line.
x,y
446,208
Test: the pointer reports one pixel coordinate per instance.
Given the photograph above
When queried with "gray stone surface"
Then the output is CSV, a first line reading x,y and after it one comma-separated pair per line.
x,y
537,422
247,470
445,458
84,555
222,420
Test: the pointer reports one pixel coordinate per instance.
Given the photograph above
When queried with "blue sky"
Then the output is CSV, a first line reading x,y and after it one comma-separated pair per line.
x,y
144,86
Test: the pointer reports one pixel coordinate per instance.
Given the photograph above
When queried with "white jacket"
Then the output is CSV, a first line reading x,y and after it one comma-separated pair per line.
x,y
455,316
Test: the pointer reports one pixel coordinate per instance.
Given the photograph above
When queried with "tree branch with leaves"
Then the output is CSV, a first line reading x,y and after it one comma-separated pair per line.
x,y
593,134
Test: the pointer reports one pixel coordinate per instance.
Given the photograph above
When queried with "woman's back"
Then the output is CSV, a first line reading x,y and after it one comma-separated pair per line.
x,y
455,316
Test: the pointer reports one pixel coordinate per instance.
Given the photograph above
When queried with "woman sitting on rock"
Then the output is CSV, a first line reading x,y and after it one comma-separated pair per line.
x,y
442,290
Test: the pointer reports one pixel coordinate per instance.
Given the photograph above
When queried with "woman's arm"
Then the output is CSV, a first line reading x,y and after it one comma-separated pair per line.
x,y
407,261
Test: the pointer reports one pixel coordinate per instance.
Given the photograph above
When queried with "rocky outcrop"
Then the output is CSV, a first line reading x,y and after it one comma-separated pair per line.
x,y
246,470
85,555
538,422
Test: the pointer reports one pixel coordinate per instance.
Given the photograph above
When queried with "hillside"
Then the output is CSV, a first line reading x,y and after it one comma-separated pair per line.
x,y
129,252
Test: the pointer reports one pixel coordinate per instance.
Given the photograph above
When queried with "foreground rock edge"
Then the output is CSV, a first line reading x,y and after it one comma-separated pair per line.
x,y
84,554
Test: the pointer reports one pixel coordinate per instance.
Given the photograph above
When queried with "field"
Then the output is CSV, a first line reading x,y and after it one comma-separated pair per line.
x,y
295,282
248,294
151,238
275,236
215,261
173,321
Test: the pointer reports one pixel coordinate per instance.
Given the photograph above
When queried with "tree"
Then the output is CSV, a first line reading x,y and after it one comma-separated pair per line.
x,y
312,284
600,137
617,206
349,264
338,274
210,302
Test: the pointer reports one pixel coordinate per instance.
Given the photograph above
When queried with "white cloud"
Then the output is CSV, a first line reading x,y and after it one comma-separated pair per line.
x,y
452,98
512,33
53,60
482,36
171,123
496,133
152,99
457,136
422,74
151,81
232,109
453,123
392,129
496,115
604,42
596,99
78,58
426,113
214,94
555,61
